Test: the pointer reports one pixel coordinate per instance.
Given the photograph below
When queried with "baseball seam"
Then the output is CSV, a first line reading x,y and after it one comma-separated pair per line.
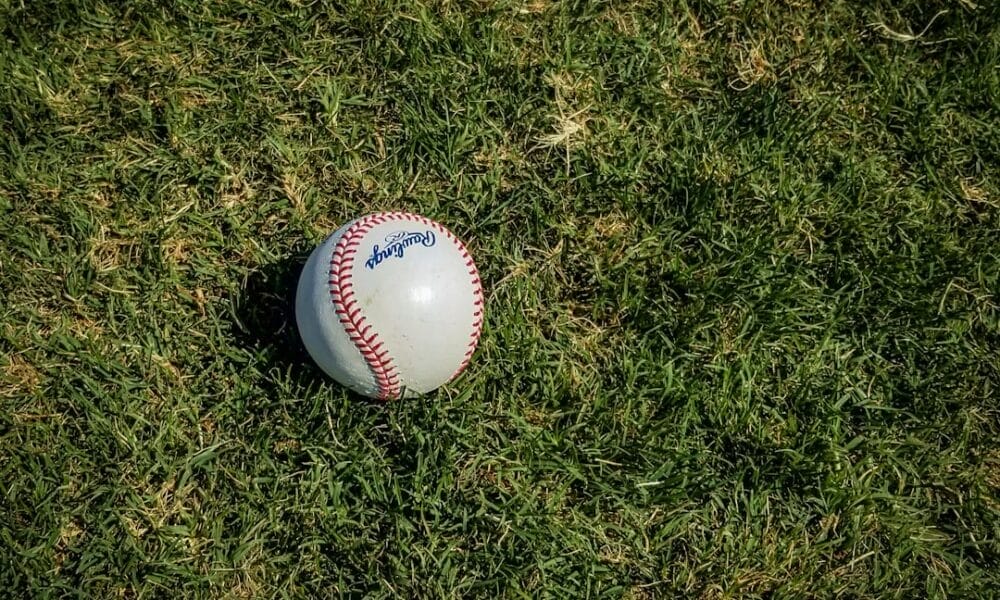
x,y
352,318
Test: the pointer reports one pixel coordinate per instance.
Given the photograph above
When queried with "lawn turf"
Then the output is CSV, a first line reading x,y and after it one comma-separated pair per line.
x,y
742,264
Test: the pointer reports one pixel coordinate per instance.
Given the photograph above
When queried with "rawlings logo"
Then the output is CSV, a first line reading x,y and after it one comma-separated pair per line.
x,y
396,243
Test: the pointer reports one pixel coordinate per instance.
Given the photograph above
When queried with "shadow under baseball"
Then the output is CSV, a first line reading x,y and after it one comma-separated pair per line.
x,y
265,316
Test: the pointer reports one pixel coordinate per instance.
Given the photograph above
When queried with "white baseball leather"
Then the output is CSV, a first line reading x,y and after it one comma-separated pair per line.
x,y
390,305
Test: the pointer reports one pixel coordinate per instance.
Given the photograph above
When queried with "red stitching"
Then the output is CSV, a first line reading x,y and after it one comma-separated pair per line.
x,y
353,319
342,293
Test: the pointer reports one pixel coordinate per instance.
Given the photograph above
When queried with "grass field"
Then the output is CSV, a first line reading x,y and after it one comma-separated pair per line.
x,y
742,266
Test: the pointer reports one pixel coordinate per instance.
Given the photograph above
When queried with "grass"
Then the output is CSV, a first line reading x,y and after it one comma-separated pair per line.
x,y
742,263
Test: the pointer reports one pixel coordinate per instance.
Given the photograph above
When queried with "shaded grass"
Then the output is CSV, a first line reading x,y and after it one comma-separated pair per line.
x,y
741,264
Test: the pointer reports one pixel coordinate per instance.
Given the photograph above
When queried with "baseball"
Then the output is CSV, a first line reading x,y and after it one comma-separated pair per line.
x,y
390,305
